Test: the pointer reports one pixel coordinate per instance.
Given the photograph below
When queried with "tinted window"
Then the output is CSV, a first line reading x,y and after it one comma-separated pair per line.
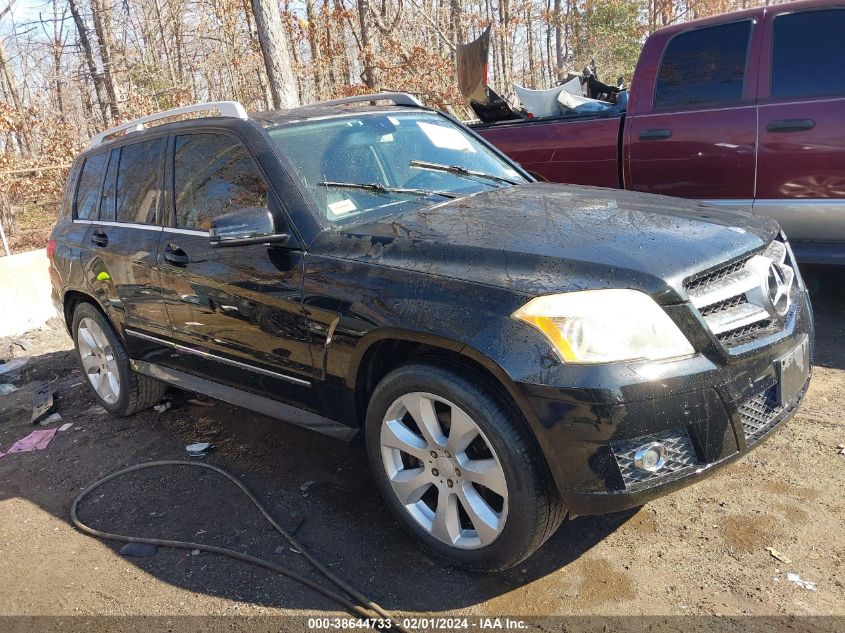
x,y
808,54
704,67
88,191
213,174
138,187
109,186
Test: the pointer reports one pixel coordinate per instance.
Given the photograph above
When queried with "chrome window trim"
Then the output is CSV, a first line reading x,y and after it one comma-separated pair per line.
x,y
169,229
126,225
220,359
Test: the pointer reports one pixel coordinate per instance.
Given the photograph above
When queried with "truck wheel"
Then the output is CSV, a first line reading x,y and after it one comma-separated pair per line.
x,y
104,361
459,468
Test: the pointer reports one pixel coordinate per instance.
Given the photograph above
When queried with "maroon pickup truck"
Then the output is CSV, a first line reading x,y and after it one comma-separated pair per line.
x,y
745,109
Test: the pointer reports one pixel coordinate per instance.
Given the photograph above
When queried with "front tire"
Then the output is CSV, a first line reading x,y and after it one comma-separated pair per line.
x,y
459,468
105,364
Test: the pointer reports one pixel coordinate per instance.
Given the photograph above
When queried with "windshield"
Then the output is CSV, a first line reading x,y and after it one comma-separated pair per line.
x,y
359,166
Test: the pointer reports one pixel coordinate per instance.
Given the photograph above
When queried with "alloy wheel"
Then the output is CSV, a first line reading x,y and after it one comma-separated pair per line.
x,y
444,471
98,361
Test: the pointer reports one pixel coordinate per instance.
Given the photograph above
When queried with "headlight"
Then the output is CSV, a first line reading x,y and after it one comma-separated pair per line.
x,y
601,326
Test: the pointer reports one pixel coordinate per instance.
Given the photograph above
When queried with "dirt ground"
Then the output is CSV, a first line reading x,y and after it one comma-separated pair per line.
x,y
700,551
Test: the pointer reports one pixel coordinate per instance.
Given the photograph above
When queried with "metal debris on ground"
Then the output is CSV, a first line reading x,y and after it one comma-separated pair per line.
x,y
778,555
42,403
806,584
12,365
304,487
35,441
162,406
199,449
50,419
139,550
202,403
6,389
65,426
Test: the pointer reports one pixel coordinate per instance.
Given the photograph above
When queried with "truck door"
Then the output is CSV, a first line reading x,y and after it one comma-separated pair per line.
x,y
801,177
695,135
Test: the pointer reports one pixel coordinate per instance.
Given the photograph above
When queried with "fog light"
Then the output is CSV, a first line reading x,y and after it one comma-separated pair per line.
x,y
650,457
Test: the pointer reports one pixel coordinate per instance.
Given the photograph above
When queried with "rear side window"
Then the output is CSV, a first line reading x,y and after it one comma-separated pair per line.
x,y
808,54
704,67
109,186
88,191
138,182
213,174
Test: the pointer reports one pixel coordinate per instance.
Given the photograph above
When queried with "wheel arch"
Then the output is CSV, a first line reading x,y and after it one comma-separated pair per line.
x,y
71,298
383,351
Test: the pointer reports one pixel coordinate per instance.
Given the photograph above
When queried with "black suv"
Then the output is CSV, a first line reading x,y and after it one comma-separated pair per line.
x,y
510,350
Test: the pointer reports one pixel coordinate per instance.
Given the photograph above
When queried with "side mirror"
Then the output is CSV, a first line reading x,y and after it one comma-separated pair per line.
x,y
250,225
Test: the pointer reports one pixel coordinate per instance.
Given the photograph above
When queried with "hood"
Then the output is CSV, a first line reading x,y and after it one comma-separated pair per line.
x,y
541,237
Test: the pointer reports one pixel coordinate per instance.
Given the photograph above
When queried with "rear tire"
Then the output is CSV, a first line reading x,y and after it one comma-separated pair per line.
x,y
105,364
419,423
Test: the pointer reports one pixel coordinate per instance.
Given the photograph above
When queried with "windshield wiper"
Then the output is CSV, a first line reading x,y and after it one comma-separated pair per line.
x,y
462,171
372,186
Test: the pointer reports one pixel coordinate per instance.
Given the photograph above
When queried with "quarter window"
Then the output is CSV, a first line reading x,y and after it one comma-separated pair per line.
x,y
213,174
138,181
808,50
87,193
704,67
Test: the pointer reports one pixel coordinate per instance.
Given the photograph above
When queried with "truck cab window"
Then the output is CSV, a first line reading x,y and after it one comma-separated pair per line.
x,y
704,67
88,191
213,174
805,66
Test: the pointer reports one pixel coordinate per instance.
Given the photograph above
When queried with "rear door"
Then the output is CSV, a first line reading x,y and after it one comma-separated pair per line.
x,y
801,179
695,136
235,311
124,238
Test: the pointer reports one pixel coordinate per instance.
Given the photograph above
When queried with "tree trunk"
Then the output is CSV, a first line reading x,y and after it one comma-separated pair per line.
x,y
102,27
368,74
274,48
314,44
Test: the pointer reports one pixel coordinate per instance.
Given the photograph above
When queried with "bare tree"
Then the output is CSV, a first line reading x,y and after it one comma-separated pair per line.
x,y
277,56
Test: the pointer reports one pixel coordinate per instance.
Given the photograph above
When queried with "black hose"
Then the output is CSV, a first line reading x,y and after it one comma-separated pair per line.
x,y
365,608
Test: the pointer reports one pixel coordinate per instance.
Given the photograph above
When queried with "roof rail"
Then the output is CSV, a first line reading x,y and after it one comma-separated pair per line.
x,y
398,98
225,108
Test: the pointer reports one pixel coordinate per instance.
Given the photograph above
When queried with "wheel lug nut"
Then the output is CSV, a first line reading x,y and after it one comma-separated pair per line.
x,y
433,453
447,454
450,483
435,472
457,472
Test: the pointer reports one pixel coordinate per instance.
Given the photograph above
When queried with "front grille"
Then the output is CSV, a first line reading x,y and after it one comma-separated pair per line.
x,y
746,334
759,414
730,299
680,458
717,275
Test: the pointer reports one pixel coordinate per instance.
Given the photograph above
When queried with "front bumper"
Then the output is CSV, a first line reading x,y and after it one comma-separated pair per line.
x,y
710,410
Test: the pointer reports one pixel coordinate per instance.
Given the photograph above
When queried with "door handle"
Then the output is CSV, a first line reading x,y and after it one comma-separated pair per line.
x,y
176,256
790,125
99,238
654,135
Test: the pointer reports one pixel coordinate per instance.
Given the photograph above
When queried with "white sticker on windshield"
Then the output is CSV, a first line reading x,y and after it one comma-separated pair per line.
x,y
446,137
341,207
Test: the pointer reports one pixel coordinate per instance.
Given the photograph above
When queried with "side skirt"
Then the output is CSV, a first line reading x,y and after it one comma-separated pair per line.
x,y
240,398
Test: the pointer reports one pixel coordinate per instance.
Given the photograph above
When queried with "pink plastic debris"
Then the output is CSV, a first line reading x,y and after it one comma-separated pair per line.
x,y
35,441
